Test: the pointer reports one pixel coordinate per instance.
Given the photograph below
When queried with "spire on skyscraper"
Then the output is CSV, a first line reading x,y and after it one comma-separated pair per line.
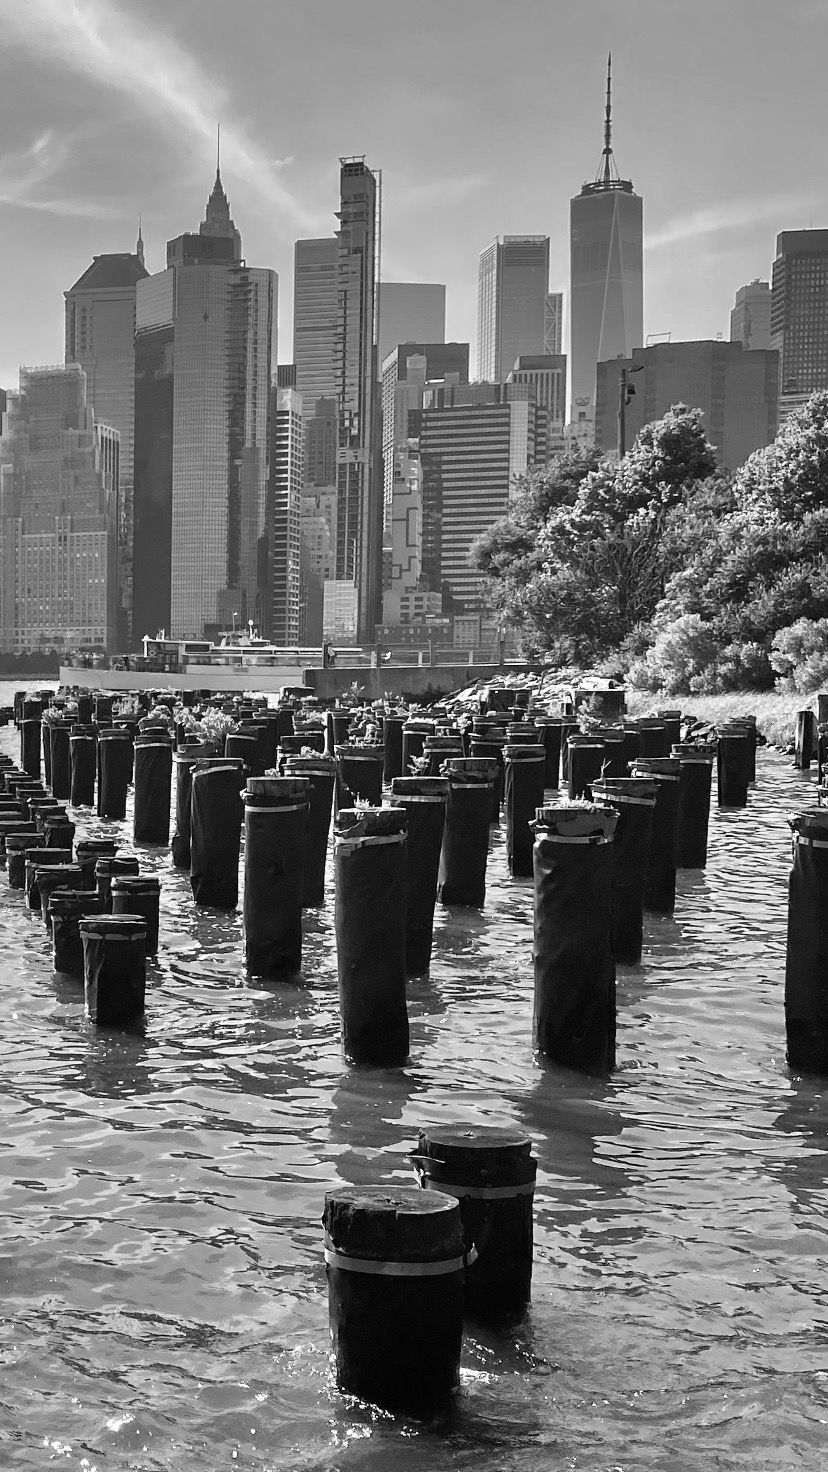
x,y
607,176
139,244
217,220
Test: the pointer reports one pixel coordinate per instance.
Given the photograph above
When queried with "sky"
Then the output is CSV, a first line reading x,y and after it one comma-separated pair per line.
x,y
484,117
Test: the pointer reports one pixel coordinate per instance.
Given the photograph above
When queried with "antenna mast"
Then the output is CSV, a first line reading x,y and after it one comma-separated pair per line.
x,y
607,174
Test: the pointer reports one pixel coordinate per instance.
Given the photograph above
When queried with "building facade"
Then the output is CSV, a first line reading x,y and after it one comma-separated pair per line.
x,y
99,335
473,442
315,317
735,389
750,319
284,515
405,372
58,517
409,311
205,348
606,302
513,303
359,480
547,376
799,315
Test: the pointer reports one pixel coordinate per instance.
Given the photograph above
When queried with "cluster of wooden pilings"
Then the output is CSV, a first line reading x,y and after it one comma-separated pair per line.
x,y
600,816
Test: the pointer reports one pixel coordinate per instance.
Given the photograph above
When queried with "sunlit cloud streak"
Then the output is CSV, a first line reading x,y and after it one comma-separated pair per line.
x,y
729,215
98,41
28,177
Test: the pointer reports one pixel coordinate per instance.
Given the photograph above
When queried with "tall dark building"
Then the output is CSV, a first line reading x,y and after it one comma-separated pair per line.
x,y
799,314
735,390
606,278
358,481
99,335
204,350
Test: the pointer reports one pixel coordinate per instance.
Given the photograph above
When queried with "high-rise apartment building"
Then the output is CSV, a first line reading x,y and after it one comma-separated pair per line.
x,y
359,482
473,441
315,317
405,372
513,301
317,559
750,319
735,389
285,498
606,302
58,517
99,335
409,311
799,314
204,354
547,376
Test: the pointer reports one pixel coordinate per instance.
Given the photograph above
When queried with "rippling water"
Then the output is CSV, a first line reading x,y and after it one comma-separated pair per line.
x,y
163,1293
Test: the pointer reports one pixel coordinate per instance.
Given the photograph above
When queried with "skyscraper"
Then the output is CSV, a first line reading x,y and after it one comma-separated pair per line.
x,y
58,521
409,311
204,351
99,335
315,315
285,505
512,296
799,314
750,319
606,277
359,483
405,372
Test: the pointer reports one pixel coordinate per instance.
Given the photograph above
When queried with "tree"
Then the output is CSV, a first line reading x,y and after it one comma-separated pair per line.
x,y
581,559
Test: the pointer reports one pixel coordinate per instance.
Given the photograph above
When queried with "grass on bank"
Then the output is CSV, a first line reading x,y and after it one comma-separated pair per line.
x,y
775,713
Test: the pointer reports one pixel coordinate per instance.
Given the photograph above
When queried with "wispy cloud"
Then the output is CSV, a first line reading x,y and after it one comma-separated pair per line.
x,y
28,177
729,215
100,42
441,189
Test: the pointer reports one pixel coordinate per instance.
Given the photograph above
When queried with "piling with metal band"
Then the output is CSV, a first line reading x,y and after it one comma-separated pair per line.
x,y
83,758
106,869
102,708
615,762
585,761
275,822
550,734
239,746
114,771
804,739
806,962
574,1011
569,727
733,764
215,834
46,747
259,730
523,733
489,747
392,745
41,858
822,751
8,826
55,876
25,788
660,889
672,720
634,799
395,1264
30,744
465,851
87,853
524,765
694,803
423,799
490,1172
18,846
337,725
630,745
38,807
301,741
86,710
153,787
359,775
370,919
185,762
66,908
654,737
437,750
320,774
114,968
138,894
414,733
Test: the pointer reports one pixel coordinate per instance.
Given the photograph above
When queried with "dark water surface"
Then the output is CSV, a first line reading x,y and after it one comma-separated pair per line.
x,y
162,1292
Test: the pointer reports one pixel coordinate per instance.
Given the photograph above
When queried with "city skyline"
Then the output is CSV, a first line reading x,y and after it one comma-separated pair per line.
x,y
96,92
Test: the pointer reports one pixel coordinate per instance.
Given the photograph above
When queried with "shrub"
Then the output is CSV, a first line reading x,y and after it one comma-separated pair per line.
x,y
680,651
799,655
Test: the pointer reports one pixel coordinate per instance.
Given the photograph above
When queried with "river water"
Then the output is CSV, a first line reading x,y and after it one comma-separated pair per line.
x,y
163,1301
